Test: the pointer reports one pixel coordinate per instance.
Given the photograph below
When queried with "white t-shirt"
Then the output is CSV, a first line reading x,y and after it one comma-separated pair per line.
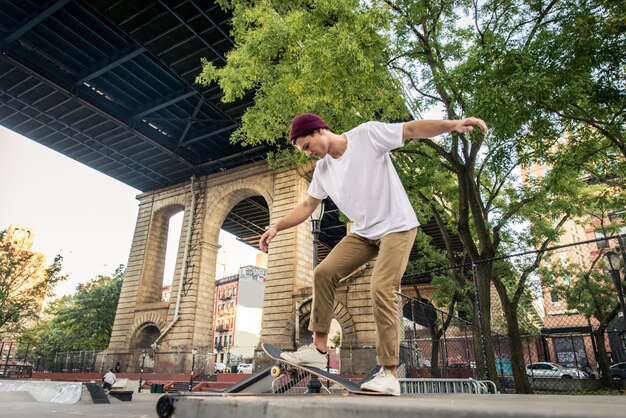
x,y
109,377
364,184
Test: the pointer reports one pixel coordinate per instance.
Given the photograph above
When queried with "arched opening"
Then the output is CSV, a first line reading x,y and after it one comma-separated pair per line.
x,y
146,337
240,279
163,244
174,230
143,343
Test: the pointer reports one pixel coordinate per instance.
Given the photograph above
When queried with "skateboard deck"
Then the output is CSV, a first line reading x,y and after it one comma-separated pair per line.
x,y
352,387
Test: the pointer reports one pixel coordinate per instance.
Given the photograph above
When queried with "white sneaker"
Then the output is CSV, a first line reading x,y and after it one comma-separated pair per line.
x,y
383,382
307,355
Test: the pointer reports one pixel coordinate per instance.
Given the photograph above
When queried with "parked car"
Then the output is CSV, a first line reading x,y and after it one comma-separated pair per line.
x,y
503,366
220,367
470,365
618,370
553,370
244,368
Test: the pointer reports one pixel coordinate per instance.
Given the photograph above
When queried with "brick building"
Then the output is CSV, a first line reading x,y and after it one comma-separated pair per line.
x,y
237,316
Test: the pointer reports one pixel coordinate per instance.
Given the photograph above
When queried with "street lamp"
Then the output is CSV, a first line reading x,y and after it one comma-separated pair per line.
x,y
316,221
144,353
612,261
314,384
194,351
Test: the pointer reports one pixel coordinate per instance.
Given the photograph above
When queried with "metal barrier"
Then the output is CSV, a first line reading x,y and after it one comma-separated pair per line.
x,y
298,385
414,386
289,385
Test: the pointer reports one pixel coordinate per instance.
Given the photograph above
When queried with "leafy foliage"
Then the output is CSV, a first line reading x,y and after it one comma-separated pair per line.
x,y
25,281
324,56
82,321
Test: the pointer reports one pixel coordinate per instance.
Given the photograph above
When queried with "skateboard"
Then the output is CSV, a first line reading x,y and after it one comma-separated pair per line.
x,y
293,369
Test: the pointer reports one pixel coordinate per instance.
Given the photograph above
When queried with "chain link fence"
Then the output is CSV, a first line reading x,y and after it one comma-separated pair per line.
x,y
203,362
549,321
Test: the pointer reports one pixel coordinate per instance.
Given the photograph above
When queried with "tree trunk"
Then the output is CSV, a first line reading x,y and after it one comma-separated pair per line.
x,y
522,385
485,347
603,360
434,358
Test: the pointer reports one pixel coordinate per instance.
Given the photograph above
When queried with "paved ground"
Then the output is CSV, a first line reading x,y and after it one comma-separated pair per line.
x,y
22,405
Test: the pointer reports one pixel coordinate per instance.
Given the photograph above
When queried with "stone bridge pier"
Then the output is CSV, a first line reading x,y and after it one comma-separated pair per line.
x,y
168,330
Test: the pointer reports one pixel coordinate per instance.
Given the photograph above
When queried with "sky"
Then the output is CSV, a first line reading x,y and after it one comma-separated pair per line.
x,y
83,215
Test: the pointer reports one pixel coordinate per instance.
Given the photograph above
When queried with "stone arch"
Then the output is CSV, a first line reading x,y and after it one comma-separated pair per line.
x,y
342,314
141,323
224,199
154,262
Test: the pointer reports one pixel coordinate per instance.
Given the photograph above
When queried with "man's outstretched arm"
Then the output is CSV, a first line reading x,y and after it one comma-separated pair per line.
x,y
295,217
432,128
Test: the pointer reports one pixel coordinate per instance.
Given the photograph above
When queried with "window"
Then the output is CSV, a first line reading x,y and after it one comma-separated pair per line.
x,y
570,351
554,297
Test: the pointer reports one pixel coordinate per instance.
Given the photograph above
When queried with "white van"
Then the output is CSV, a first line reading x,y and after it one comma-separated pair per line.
x,y
244,368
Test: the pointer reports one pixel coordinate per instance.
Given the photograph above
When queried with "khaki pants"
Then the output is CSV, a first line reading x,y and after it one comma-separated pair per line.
x,y
392,254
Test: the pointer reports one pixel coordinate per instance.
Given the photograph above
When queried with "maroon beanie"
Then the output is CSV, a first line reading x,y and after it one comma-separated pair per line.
x,y
304,124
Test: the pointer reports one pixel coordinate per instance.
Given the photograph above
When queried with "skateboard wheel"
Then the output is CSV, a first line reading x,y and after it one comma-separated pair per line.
x,y
275,371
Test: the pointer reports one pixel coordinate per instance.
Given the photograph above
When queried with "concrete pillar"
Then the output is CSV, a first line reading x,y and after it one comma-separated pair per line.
x,y
289,263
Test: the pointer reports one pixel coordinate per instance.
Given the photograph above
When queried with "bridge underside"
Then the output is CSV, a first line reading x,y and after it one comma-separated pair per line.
x,y
111,84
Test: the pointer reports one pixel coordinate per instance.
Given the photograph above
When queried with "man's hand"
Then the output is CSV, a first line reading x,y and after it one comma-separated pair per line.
x,y
266,238
467,125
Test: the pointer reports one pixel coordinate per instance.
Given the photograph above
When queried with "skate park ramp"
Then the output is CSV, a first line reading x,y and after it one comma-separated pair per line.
x,y
41,391
259,382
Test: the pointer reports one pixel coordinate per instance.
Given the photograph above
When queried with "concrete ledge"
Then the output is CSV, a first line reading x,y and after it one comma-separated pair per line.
x,y
423,406
43,391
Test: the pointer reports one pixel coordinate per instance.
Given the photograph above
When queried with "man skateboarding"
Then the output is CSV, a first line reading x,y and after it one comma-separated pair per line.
x,y
355,170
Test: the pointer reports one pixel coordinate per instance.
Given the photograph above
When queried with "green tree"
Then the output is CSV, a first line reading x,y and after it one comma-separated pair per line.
x,y
588,290
82,321
465,66
25,281
587,287
324,56
578,56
